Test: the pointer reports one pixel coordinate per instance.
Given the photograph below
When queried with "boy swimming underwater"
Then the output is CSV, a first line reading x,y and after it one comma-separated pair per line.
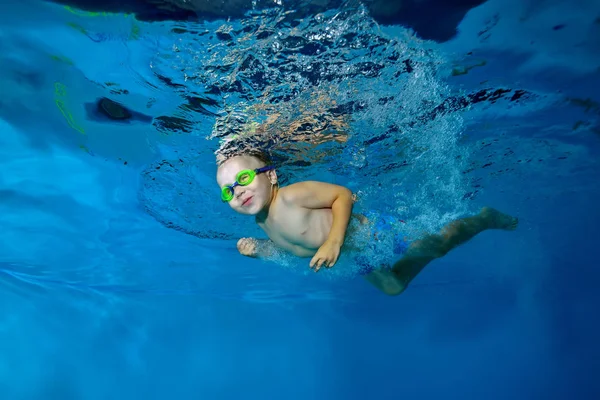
x,y
311,219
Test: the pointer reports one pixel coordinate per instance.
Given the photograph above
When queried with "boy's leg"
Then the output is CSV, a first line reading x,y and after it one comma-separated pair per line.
x,y
423,251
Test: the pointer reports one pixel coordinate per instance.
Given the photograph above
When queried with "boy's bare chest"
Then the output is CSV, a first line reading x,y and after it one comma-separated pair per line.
x,y
295,226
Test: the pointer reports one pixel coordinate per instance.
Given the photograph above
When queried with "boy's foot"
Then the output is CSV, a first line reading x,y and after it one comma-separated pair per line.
x,y
497,220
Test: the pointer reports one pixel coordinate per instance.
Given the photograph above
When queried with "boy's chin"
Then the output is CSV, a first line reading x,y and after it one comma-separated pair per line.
x,y
252,210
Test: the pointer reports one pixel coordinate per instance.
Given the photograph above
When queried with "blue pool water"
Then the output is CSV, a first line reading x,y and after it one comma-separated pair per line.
x,y
119,275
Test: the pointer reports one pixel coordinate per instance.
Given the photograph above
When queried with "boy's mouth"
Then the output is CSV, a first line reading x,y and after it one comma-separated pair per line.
x,y
247,201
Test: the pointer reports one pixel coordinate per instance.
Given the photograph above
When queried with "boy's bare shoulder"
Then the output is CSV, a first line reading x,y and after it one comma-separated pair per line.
x,y
301,191
290,194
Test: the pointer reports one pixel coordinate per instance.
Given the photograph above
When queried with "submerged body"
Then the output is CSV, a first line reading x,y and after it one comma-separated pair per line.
x,y
300,230
310,219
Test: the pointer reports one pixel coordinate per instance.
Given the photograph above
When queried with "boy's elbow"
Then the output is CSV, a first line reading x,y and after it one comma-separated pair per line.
x,y
345,198
351,197
347,194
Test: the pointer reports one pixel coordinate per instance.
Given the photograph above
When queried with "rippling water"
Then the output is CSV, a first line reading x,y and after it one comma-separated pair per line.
x,y
330,91
119,276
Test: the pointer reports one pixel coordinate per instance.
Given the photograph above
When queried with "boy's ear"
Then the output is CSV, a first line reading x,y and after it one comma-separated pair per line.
x,y
272,175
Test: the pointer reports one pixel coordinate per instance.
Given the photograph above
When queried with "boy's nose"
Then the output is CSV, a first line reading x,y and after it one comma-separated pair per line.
x,y
239,192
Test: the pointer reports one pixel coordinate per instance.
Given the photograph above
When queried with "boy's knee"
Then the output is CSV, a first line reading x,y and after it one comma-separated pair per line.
x,y
393,288
442,250
394,291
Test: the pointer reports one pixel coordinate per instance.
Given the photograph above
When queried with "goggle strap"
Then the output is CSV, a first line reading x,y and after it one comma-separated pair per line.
x,y
264,169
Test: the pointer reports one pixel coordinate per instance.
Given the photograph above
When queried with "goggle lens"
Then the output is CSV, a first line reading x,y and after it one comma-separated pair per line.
x,y
245,178
226,194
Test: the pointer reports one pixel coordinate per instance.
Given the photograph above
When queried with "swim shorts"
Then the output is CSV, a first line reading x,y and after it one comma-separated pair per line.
x,y
384,234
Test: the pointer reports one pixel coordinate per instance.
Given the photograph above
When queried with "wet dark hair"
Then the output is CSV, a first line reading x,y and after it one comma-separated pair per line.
x,y
258,154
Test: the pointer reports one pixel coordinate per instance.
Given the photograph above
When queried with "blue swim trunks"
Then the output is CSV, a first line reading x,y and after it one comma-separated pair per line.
x,y
384,234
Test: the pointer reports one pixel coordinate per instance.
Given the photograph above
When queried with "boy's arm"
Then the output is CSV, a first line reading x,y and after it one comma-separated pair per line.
x,y
265,250
312,194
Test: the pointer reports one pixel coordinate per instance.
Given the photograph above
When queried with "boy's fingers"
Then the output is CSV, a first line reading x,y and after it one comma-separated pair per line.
x,y
332,261
315,261
317,264
321,262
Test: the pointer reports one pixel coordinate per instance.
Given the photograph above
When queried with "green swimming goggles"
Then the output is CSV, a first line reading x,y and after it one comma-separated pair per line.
x,y
243,178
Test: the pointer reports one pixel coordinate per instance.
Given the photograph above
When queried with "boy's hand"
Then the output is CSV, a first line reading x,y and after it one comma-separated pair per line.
x,y
247,247
327,255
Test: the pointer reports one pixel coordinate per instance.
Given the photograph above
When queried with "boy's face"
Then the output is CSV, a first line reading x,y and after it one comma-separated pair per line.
x,y
253,198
